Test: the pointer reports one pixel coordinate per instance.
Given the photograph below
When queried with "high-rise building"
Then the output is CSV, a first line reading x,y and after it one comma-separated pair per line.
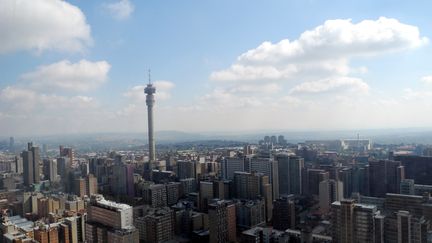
x,y
407,187
268,167
222,221
283,214
206,193
50,169
290,174
354,222
155,195
80,187
346,177
150,100
416,167
31,164
122,179
91,185
69,153
232,165
247,185
385,177
185,169
250,213
108,221
313,179
188,185
157,226
329,191
172,192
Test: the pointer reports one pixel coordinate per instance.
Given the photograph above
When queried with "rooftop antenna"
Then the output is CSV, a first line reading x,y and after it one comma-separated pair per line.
x,y
149,76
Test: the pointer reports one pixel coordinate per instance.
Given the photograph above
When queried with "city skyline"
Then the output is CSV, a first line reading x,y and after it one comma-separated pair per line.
x,y
80,67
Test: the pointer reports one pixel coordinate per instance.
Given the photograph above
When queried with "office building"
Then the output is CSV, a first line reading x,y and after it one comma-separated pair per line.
x,y
232,165
185,169
329,191
31,164
250,213
155,195
222,221
416,168
283,214
385,176
247,185
157,226
290,174
268,167
354,222
50,170
108,221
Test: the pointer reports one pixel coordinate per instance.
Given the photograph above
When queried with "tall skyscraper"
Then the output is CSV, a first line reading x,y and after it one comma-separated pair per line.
x,y
150,90
31,161
290,174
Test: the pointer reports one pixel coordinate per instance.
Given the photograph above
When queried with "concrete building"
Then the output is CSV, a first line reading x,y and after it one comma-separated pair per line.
x,y
155,195
329,191
222,222
290,174
247,185
268,167
232,165
250,213
354,222
31,165
385,176
157,226
283,214
186,169
108,221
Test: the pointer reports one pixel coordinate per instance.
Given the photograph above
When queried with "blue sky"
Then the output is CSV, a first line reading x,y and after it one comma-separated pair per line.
x,y
78,66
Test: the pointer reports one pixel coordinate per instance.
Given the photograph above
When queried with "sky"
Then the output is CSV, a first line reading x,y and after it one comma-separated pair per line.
x,y
80,66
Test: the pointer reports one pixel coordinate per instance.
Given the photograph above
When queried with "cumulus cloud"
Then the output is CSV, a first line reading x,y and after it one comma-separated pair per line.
x,y
65,75
163,91
42,25
324,50
121,9
344,84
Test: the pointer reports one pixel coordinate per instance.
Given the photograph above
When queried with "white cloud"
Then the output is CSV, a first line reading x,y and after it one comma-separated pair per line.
x,y
81,76
266,88
16,100
427,79
163,91
121,9
335,84
42,25
325,50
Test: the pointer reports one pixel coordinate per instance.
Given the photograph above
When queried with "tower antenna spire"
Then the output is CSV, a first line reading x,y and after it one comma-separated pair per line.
x,y
149,76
